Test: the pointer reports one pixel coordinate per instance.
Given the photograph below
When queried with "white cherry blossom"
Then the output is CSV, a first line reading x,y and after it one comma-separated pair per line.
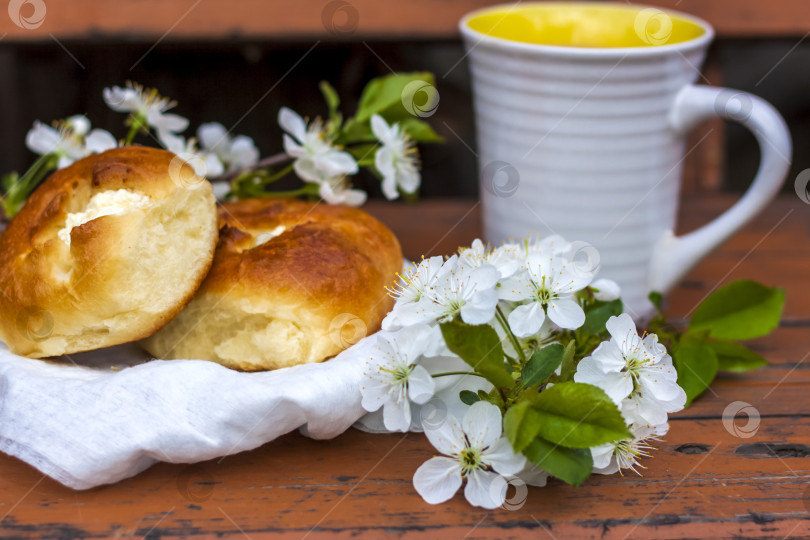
x,y
147,106
548,284
606,290
475,451
316,159
338,191
415,280
234,152
625,454
506,258
456,289
396,159
205,164
547,246
71,140
394,378
636,372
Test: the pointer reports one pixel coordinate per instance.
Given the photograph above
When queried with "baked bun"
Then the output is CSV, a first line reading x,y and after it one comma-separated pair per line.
x,y
105,251
292,282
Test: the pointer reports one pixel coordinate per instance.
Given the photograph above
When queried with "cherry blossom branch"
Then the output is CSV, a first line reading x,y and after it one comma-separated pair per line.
x,y
276,159
448,373
505,325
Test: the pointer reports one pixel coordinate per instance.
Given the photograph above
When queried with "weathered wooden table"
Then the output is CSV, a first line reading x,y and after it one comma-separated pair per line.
x,y
704,480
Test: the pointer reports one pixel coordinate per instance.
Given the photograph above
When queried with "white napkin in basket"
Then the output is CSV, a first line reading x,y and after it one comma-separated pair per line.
x,y
88,424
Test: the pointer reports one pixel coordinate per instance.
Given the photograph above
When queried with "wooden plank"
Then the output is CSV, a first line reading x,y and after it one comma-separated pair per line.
x,y
699,483
336,19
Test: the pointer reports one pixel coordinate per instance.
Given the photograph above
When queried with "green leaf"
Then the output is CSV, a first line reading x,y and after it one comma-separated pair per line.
x,y
12,201
481,348
467,397
696,363
383,96
657,299
568,366
740,310
542,364
578,415
18,188
9,180
599,314
521,424
571,465
331,97
419,130
732,356
356,132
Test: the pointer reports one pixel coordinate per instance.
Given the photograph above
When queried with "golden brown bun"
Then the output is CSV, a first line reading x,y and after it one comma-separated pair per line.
x,y
302,296
123,276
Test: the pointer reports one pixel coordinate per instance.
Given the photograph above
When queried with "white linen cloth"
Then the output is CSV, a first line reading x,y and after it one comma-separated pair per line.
x,y
85,422
97,418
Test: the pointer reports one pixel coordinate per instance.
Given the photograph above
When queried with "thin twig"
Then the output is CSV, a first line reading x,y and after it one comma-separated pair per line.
x,y
266,162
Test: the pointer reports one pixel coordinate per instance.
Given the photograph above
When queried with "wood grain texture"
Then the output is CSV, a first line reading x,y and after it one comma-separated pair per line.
x,y
703,481
344,19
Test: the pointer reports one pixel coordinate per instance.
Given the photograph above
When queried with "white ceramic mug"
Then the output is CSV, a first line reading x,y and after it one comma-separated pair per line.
x,y
582,111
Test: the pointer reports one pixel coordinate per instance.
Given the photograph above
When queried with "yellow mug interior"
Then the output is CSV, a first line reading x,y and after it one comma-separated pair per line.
x,y
586,25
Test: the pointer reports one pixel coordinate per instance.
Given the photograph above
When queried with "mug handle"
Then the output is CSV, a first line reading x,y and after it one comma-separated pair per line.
x,y
673,255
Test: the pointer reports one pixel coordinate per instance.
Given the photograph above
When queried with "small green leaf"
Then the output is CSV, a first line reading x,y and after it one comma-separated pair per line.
x,y
657,299
467,397
521,424
419,130
568,366
732,356
481,348
740,310
599,314
696,363
578,415
383,96
17,188
355,132
331,97
571,465
542,364
9,180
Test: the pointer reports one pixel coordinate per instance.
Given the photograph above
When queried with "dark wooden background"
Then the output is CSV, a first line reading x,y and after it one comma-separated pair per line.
x,y
220,58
